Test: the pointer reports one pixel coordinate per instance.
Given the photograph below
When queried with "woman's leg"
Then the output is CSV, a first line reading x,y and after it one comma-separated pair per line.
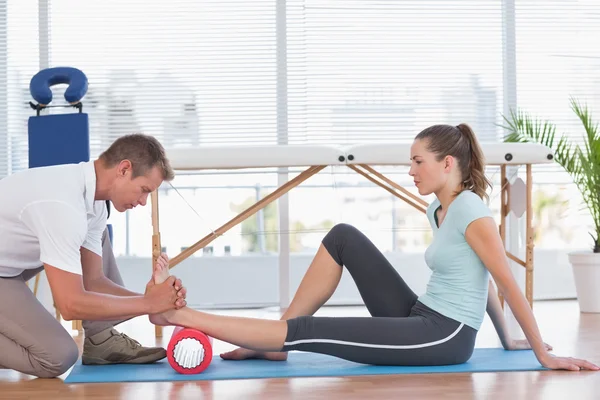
x,y
423,338
383,290
258,334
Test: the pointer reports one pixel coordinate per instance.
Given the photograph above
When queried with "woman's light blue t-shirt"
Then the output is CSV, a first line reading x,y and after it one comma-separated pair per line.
x,y
458,287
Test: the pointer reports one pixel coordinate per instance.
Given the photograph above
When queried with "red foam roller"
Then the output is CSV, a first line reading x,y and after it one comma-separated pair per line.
x,y
189,350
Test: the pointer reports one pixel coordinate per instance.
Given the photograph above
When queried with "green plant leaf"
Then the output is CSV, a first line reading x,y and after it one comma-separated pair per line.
x,y
581,163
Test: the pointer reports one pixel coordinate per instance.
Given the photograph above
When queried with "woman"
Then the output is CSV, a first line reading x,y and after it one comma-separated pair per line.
x,y
437,328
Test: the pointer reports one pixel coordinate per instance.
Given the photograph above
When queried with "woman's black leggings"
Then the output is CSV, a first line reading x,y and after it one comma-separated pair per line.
x,y
400,331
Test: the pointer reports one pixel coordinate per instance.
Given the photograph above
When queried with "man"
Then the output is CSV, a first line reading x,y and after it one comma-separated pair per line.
x,y
54,219
103,344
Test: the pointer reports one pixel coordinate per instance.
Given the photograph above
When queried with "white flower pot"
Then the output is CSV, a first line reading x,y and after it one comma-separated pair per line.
x,y
586,271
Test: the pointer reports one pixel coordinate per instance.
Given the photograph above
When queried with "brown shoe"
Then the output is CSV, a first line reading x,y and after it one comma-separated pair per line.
x,y
112,347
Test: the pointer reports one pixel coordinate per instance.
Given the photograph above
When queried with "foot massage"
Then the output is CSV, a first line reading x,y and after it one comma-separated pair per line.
x,y
54,219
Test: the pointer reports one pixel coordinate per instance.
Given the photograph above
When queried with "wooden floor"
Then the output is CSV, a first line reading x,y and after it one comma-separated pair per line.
x,y
570,332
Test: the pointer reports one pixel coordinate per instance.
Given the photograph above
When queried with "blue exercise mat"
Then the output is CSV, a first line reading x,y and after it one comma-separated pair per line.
x,y
299,364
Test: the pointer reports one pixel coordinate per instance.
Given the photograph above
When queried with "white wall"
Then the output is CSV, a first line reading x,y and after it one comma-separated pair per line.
x,y
252,281
240,282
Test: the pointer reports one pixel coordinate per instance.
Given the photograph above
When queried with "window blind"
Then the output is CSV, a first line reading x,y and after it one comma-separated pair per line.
x,y
187,72
556,60
19,59
195,73
364,71
206,72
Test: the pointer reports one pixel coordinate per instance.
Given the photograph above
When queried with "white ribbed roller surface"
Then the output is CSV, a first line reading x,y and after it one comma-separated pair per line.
x,y
189,353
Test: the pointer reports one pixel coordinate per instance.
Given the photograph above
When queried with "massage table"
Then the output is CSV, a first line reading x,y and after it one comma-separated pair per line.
x,y
515,195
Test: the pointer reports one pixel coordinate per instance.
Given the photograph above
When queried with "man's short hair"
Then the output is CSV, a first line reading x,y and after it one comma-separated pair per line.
x,y
143,151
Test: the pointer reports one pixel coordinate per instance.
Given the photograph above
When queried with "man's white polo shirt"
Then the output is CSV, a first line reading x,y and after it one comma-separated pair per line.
x,y
46,215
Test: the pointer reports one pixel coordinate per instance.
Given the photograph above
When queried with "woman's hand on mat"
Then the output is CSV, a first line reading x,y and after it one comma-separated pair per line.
x,y
523,344
572,364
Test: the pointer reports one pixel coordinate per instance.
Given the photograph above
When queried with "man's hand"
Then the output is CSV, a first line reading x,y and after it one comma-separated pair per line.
x,y
181,294
162,297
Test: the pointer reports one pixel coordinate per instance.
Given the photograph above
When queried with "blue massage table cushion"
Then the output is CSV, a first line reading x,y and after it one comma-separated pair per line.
x,y
41,83
59,138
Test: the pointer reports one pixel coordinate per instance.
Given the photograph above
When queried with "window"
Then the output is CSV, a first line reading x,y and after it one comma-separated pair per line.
x,y
19,60
360,71
295,71
555,61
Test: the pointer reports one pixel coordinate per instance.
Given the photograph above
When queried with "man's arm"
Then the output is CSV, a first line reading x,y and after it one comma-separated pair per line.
x,y
62,230
95,247
74,302
94,279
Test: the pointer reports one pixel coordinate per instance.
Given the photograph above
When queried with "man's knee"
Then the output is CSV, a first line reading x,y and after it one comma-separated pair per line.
x,y
58,360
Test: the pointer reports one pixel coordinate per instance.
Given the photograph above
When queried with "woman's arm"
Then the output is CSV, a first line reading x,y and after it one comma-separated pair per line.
x,y
496,313
494,310
482,235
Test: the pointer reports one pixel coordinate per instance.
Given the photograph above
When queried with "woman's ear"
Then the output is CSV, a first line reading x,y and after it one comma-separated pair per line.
x,y
448,163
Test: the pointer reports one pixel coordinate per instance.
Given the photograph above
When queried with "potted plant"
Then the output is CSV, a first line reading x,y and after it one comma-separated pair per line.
x,y
582,163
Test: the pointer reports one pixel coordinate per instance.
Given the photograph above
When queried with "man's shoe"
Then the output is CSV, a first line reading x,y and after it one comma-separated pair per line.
x,y
112,347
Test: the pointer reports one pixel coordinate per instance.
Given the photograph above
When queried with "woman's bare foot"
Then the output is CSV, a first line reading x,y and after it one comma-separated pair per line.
x,y
161,274
163,319
246,354
161,269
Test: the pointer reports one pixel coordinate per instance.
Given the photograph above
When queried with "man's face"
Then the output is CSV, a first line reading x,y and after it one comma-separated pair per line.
x,y
129,193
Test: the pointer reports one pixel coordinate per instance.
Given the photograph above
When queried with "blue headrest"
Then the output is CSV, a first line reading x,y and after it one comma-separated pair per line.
x,y
40,84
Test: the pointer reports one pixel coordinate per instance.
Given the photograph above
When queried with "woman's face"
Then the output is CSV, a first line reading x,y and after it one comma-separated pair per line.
x,y
429,174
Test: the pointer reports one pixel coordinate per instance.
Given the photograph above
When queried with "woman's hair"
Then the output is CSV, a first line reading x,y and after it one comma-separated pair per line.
x,y
461,143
